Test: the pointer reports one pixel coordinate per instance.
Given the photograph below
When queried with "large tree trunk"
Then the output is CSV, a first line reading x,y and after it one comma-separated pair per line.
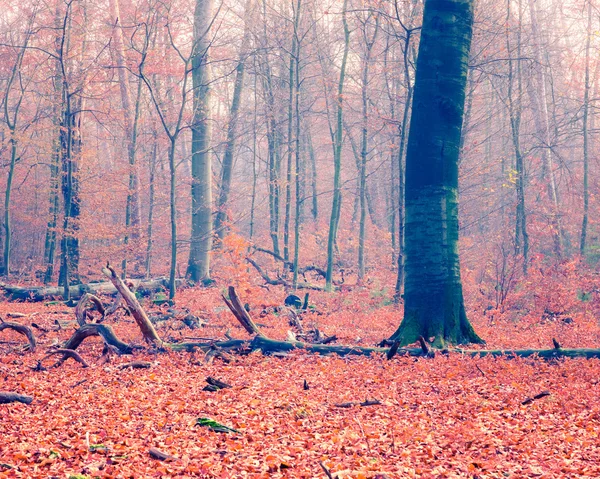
x,y
434,305
201,239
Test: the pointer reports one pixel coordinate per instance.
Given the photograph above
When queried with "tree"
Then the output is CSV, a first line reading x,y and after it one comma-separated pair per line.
x,y
201,240
434,305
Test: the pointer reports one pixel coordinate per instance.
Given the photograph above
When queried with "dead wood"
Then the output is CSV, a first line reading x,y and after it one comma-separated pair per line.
x,y
21,329
19,293
107,353
66,354
537,396
367,402
393,350
216,383
94,329
6,397
280,281
138,313
135,365
82,312
288,264
161,456
238,310
556,343
326,470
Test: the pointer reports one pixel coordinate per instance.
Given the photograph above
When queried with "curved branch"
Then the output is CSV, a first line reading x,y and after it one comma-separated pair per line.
x,y
22,329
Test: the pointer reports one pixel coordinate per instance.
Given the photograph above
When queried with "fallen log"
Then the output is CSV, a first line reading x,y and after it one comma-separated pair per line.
x,y
6,397
135,365
22,329
42,293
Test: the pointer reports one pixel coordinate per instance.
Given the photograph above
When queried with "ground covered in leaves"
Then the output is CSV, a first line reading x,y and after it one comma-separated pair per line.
x,y
446,417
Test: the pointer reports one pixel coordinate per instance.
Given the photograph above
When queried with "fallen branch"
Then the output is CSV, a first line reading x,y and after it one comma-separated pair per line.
x,y
367,402
238,310
82,312
290,265
66,354
6,398
22,329
138,313
325,470
94,329
135,365
161,456
537,396
280,281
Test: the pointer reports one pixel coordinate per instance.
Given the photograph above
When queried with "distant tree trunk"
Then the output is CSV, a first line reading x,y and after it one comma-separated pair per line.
x,y
337,157
537,94
11,118
151,195
201,239
296,78
514,110
369,42
70,153
274,162
586,107
222,218
313,176
290,139
131,118
434,305
402,135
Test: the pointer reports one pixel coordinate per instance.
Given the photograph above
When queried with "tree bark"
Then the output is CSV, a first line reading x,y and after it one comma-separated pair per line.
x,y
434,306
201,237
338,139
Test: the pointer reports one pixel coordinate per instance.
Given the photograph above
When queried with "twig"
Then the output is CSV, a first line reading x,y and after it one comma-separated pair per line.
x,y
327,472
364,435
479,369
537,396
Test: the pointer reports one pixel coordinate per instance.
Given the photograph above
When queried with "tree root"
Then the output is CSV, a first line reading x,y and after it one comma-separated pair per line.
x,y
22,329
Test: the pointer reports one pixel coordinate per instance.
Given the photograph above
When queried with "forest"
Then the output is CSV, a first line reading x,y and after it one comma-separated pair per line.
x,y
299,238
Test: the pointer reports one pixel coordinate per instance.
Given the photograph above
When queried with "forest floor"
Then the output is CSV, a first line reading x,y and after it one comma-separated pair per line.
x,y
446,417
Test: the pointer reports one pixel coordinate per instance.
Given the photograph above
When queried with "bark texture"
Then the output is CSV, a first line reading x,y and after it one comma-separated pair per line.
x,y
434,306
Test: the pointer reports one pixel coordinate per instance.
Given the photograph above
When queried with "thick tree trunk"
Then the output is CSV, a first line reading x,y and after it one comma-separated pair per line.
x,y
201,237
434,305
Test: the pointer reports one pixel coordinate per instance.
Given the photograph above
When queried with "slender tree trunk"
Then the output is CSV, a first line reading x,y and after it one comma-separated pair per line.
x,y
201,238
586,106
313,176
298,215
514,109
337,157
539,102
402,136
434,305
222,217
151,195
364,145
